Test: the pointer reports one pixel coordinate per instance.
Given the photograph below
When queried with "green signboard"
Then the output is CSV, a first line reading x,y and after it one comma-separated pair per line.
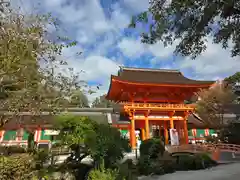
x,y
125,133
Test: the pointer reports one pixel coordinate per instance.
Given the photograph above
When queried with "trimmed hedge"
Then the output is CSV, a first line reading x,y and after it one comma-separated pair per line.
x,y
152,147
185,162
153,158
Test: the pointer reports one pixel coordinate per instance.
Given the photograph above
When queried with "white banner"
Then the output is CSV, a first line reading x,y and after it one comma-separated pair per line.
x,y
174,137
49,132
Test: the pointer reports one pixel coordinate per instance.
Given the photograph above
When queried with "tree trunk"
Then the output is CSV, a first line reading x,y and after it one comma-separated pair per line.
x,y
30,146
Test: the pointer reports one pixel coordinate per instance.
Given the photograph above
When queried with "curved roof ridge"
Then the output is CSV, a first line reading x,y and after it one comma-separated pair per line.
x,y
150,69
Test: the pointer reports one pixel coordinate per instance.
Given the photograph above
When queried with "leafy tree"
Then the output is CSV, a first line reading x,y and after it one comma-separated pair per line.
x,y
86,137
232,80
96,103
231,133
106,145
190,23
79,99
30,79
19,167
102,102
211,105
74,130
3,5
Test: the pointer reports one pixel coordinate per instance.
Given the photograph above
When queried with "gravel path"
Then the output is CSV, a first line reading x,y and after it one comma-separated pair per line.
x,y
221,172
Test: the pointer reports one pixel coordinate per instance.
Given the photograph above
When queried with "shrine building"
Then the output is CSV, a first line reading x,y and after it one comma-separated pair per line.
x,y
153,100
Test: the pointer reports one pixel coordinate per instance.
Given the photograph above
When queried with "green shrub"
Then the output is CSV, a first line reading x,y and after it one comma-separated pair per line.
x,y
152,147
18,167
206,160
144,165
186,162
156,167
161,165
153,159
127,171
103,174
194,162
41,157
168,163
147,166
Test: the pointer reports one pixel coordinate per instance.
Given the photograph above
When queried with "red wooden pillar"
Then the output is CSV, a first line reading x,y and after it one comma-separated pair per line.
x,y
132,134
147,126
185,128
166,132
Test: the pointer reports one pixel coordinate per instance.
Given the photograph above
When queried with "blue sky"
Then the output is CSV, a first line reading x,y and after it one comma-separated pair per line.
x,y
100,28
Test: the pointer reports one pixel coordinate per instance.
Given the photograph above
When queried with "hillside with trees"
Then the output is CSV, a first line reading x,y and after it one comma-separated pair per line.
x,y
234,83
102,102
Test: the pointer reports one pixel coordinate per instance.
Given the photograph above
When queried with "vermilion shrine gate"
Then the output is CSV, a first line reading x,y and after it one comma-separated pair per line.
x,y
154,99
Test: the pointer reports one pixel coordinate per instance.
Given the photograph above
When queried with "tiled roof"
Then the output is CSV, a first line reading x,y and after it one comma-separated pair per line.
x,y
162,76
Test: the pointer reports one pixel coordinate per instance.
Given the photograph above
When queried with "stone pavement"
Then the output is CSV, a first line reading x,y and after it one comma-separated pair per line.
x,y
221,172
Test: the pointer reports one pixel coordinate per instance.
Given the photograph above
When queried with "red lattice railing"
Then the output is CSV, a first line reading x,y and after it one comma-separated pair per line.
x,y
159,106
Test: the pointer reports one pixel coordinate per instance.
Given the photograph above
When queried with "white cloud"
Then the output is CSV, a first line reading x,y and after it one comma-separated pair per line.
x,y
132,48
106,43
96,68
53,3
90,26
119,18
158,50
99,67
215,62
88,18
137,6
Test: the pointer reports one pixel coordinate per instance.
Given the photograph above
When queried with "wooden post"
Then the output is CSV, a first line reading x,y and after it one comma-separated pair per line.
x,y
181,135
185,132
185,127
166,131
1,135
143,134
132,134
171,120
147,126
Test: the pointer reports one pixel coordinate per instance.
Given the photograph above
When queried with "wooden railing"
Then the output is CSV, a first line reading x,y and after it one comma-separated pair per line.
x,y
228,147
189,148
195,148
159,106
